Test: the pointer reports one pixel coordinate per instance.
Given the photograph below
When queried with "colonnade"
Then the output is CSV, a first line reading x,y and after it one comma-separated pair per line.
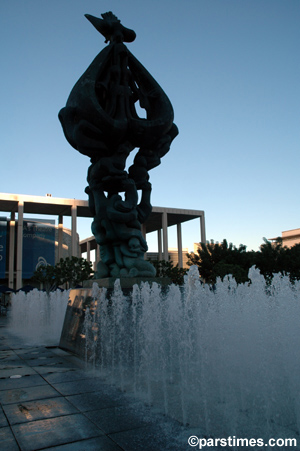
x,y
160,219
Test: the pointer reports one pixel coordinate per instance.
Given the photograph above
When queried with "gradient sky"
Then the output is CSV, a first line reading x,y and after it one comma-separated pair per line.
x,y
231,70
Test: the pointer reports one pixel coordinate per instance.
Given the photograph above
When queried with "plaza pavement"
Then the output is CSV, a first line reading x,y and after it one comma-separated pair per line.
x,y
50,401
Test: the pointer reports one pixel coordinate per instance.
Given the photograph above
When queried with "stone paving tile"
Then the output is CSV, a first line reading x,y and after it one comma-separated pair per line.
x,y
17,346
44,369
6,353
27,394
75,361
66,376
117,419
38,410
34,352
59,351
35,349
92,444
5,347
47,361
11,357
81,386
11,364
54,431
38,355
3,420
14,343
22,370
97,400
29,380
72,410
7,440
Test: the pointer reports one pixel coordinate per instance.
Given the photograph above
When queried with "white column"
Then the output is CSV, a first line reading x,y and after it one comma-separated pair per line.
x,y
11,254
19,245
159,244
88,251
202,229
165,235
179,245
60,237
74,231
98,256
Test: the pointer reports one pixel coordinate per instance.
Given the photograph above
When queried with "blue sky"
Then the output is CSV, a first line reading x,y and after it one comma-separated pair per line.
x,y
231,70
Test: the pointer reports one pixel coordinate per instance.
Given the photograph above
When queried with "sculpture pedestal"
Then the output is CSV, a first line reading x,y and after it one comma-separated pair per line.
x,y
73,337
73,334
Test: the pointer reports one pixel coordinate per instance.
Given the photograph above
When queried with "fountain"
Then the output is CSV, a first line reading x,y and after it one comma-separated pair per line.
x,y
225,360
38,317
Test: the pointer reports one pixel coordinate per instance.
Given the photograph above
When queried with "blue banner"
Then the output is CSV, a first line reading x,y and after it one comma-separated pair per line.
x,y
3,235
38,245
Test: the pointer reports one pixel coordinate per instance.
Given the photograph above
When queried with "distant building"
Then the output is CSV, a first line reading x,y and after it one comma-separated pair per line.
x,y
196,247
289,237
173,256
40,246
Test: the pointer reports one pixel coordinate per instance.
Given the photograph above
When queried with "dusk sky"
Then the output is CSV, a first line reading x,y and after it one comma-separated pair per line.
x,y
231,69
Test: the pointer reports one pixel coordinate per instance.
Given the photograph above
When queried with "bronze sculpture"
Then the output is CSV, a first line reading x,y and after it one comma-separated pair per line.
x,y
100,120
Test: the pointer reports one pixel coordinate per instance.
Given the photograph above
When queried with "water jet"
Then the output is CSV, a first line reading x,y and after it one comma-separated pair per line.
x,y
38,317
223,360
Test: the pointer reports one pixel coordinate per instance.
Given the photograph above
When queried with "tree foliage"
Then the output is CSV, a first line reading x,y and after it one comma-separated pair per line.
x,y
73,271
167,269
276,258
69,272
220,259
270,258
45,277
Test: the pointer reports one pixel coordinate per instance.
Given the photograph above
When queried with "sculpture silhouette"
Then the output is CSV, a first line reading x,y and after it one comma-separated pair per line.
x,y
100,120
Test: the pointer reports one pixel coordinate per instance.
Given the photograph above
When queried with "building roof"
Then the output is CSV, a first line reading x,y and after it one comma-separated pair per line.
x,y
48,205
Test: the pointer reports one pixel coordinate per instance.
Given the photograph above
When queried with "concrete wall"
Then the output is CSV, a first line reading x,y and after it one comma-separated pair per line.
x,y
291,237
